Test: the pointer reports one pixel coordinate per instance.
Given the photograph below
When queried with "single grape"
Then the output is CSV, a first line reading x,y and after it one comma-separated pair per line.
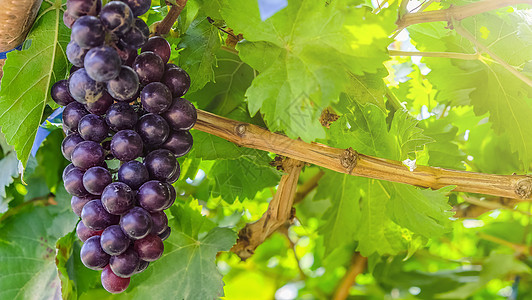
x,y
88,154
126,145
153,129
153,196
93,128
96,179
88,32
150,248
179,142
121,116
117,17
174,177
172,196
102,63
79,8
161,164
60,93
139,7
83,88
159,46
96,217
142,27
112,283
114,241
143,265
177,80
68,19
100,106
125,85
149,66
136,223
166,233
92,255
118,198
133,173
156,97
77,203
127,55
67,169
72,114
133,39
69,143
76,54
170,66
74,183
160,222
125,264
84,233
181,115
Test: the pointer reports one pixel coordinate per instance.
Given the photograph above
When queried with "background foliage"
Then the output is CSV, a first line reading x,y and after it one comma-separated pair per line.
x,y
465,112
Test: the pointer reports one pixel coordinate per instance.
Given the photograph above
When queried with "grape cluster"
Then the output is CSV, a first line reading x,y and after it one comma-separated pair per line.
x,y
125,106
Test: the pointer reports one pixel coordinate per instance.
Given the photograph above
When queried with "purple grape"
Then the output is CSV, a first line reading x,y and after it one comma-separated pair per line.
x,y
88,32
76,54
88,154
96,217
127,55
149,66
72,114
69,143
114,241
133,173
172,196
133,39
100,106
112,283
74,183
160,222
139,7
143,265
73,69
96,179
142,27
177,80
93,128
174,178
181,115
79,8
77,203
84,233
150,248
121,116
166,233
179,142
68,19
125,264
117,18
125,85
156,97
67,169
102,63
136,223
83,88
153,196
170,66
161,164
126,145
60,93
159,46
118,198
92,255
153,129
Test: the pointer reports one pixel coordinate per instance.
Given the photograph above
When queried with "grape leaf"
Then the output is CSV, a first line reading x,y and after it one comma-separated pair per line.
x,y
444,152
187,269
199,43
27,250
296,81
28,77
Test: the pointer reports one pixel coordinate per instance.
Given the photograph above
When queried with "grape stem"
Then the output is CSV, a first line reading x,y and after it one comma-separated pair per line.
x,y
350,162
358,265
170,18
464,56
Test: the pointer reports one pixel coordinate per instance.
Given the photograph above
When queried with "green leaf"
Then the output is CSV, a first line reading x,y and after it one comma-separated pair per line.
x,y
28,77
50,159
187,270
63,253
444,152
297,81
199,43
9,167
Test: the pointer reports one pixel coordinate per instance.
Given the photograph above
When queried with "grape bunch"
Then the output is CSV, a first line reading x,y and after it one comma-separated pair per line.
x,y
121,105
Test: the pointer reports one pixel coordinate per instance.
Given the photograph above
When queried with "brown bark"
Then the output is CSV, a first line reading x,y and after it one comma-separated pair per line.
x,y
173,13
